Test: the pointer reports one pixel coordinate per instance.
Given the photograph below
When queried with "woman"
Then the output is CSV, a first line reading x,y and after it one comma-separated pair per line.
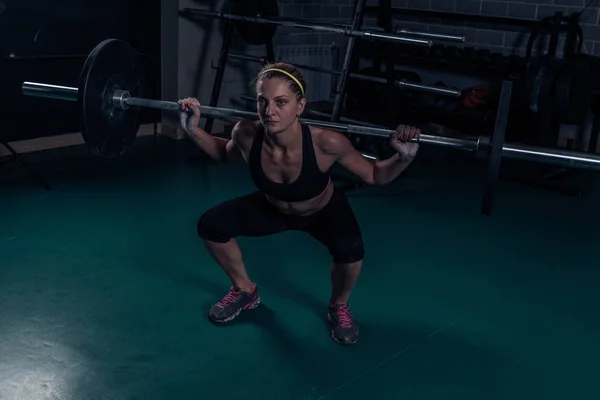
x,y
289,164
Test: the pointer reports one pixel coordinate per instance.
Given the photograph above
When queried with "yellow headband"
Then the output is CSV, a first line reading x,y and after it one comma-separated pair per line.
x,y
285,73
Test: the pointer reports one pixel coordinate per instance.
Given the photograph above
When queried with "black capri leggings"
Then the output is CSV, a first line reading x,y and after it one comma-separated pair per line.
x,y
335,225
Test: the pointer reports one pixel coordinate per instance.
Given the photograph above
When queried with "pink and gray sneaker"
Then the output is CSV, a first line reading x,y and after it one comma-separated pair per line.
x,y
234,302
344,330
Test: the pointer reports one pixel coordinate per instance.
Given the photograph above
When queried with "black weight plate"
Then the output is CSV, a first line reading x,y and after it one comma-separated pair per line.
x,y
252,32
110,66
495,147
573,92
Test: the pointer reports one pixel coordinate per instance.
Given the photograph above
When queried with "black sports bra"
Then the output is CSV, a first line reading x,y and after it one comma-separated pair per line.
x,y
309,184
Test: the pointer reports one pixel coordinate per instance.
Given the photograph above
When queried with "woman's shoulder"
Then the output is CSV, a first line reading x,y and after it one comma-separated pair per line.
x,y
247,126
244,131
329,141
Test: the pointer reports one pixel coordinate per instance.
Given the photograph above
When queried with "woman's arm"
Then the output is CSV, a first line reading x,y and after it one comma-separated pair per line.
x,y
372,173
221,149
386,171
213,146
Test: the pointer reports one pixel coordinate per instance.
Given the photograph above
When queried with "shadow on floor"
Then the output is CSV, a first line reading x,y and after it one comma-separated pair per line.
x,y
327,368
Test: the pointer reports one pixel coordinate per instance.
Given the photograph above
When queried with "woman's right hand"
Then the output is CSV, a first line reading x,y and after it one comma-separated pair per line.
x,y
188,120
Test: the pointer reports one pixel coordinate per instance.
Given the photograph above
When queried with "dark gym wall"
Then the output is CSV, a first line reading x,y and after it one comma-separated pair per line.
x,y
49,42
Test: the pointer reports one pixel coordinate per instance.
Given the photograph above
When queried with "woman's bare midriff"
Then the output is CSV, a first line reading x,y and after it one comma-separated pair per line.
x,y
304,208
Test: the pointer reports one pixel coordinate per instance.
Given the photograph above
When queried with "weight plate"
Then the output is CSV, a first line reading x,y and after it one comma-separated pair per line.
x,y
495,147
110,66
251,32
573,92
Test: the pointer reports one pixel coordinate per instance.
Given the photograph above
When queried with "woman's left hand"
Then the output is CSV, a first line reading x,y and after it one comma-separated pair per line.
x,y
401,141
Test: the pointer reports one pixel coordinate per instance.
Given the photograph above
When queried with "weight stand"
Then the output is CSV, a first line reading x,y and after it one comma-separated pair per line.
x,y
340,90
20,158
496,143
216,91
349,58
546,119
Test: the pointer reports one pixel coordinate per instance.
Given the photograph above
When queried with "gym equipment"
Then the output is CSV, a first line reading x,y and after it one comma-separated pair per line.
x,y
332,28
109,67
559,86
496,146
110,112
256,23
249,18
400,83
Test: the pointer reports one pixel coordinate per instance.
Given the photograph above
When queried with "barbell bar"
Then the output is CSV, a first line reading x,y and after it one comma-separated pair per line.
x,y
342,30
433,35
108,101
123,101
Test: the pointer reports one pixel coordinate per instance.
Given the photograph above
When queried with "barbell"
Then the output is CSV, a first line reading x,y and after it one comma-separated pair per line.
x,y
256,22
110,82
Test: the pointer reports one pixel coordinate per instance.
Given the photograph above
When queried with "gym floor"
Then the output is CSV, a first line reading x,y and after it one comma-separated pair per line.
x,y
104,288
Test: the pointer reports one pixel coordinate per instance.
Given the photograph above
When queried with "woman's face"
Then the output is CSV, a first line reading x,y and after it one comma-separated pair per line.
x,y
277,105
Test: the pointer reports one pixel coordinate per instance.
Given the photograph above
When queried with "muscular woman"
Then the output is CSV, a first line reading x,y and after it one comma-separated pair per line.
x,y
289,164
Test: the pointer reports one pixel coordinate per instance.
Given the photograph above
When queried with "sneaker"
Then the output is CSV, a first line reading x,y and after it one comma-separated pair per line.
x,y
233,304
344,329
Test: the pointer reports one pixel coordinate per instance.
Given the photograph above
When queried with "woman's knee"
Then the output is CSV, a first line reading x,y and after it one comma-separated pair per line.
x,y
212,226
347,249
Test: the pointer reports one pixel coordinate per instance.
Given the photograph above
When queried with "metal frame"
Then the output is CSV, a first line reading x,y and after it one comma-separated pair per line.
x,y
348,58
494,155
353,31
402,84
216,91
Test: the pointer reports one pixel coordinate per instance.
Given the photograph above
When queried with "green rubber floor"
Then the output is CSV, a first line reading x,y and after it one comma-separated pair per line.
x,y
104,288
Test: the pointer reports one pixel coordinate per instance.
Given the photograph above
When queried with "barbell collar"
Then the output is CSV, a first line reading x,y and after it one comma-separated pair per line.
x,y
120,98
482,145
